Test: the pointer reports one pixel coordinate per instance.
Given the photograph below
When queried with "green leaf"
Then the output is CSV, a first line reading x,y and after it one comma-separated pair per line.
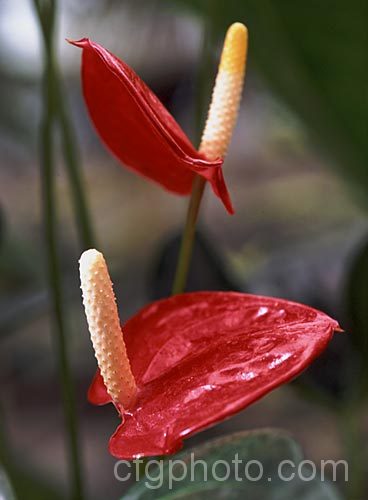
x,y
269,448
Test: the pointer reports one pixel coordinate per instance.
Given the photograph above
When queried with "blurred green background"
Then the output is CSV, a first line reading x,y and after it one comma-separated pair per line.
x,y
298,175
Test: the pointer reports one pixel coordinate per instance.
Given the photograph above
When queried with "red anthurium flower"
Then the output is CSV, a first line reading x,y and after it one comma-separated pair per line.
x,y
192,360
143,135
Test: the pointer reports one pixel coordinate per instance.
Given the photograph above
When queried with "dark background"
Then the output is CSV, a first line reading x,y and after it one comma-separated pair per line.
x,y
297,172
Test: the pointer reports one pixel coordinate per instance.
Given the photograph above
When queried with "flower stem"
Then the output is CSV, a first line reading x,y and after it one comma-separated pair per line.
x,y
199,184
46,15
187,242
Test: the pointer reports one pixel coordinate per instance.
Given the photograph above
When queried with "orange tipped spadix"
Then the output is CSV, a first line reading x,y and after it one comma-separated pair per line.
x,y
226,95
104,326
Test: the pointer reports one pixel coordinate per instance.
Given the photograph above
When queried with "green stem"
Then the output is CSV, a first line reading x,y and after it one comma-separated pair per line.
x,y
46,14
73,166
204,86
187,242
70,150
55,284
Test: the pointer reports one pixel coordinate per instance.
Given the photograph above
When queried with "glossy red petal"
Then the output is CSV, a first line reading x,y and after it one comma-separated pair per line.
x,y
138,129
201,357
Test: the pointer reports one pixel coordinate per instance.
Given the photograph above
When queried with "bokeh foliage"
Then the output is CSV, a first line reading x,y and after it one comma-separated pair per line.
x,y
313,55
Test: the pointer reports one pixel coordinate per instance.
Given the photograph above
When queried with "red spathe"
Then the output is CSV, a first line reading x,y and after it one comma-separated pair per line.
x,y
138,129
198,358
